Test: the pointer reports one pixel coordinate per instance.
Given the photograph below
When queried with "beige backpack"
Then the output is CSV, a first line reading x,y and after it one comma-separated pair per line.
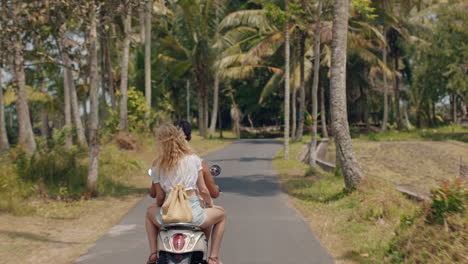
x,y
177,209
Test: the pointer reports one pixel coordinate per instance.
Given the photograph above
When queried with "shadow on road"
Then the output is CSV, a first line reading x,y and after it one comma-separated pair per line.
x,y
250,185
243,159
256,141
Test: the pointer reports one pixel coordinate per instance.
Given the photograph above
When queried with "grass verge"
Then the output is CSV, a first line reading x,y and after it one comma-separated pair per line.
x,y
374,224
455,133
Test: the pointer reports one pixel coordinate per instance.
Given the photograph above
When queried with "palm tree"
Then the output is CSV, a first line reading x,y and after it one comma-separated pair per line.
x,y
214,112
70,96
94,102
300,128
314,92
4,144
26,135
286,85
187,34
294,91
350,167
148,8
127,20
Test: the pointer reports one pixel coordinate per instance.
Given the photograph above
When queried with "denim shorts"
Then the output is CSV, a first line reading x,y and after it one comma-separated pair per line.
x,y
198,215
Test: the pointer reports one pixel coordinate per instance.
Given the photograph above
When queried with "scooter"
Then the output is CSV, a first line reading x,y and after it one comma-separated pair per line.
x,y
182,243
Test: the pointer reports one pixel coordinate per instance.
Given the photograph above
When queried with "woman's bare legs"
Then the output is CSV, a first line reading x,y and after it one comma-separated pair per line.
x,y
208,230
217,217
152,230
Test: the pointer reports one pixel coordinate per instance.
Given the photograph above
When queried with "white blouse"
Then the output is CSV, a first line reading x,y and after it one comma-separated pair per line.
x,y
185,173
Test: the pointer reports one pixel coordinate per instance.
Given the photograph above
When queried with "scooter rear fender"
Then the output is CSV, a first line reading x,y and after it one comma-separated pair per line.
x,y
195,241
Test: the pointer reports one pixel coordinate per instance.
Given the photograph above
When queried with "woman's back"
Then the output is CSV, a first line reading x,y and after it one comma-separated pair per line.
x,y
184,173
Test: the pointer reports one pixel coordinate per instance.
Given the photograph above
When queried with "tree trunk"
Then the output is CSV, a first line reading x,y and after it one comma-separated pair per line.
x,y
4,144
286,87
26,135
323,112
293,95
45,131
350,167
201,77
123,124
365,100
103,112
300,128
94,115
188,100
71,104
396,83
85,116
149,5
455,106
314,92
142,18
407,121
236,116
200,112
67,109
206,108
110,74
385,113
214,113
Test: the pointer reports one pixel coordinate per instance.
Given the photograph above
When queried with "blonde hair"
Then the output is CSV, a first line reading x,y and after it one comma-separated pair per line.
x,y
172,146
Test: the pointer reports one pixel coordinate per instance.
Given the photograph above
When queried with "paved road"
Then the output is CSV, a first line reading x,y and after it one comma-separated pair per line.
x,y
263,227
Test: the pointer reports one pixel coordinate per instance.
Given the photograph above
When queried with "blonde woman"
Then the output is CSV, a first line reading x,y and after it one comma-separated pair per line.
x,y
176,164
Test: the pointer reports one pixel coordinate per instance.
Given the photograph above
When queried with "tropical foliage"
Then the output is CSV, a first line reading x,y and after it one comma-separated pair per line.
x,y
64,64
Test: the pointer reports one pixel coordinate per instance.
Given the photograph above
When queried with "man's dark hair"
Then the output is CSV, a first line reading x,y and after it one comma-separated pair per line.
x,y
186,128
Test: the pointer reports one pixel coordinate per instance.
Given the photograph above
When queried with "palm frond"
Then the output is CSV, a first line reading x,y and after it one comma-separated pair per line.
x,y
255,18
245,71
272,84
264,48
370,28
227,61
369,57
160,9
234,36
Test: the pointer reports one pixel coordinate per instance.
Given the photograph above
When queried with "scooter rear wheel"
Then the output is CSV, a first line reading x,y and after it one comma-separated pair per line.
x,y
162,258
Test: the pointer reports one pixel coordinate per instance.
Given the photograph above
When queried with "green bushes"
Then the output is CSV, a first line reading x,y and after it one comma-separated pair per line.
x,y
136,113
57,172
450,198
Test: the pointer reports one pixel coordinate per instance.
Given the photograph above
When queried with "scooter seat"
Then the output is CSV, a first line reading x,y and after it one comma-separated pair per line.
x,y
181,226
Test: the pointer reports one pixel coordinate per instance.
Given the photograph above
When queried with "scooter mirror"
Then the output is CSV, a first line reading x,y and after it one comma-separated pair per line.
x,y
150,171
215,170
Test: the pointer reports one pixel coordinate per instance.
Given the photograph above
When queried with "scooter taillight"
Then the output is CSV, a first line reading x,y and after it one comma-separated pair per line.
x,y
178,241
